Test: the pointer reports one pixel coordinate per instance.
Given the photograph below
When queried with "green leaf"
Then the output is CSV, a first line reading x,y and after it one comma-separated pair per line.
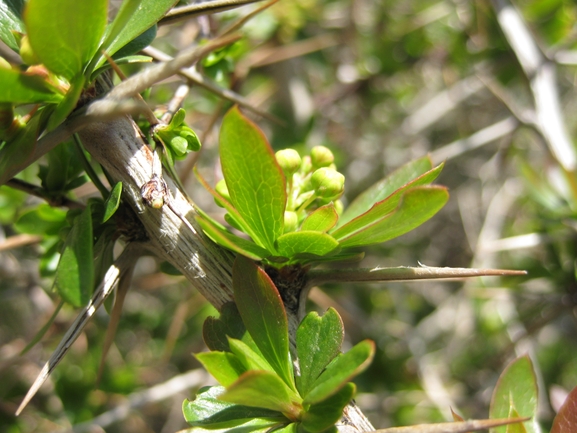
x,y
232,242
65,107
224,366
112,202
321,220
10,19
264,389
43,220
340,371
134,18
19,88
74,279
385,187
306,242
263,314
318,342
207,410
251,359
215,331
566,419
65,34
321,416
417,206
382,208
516,390
255,180
293,427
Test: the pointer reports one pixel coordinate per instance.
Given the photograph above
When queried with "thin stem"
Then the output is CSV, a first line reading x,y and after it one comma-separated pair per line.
x,y
60,201
88,168
198,9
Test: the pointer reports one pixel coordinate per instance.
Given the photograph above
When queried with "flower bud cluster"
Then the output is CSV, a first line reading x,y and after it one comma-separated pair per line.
x,y
177,136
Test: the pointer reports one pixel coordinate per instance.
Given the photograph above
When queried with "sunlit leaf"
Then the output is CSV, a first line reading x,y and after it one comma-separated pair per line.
x,y
10,19
417,206
263,314
321,416
65,34
263,389
318,341
385,187
516,389
342,369
112,202
20,88
250,358
215,331
65,107
322,219
74,279
310,242
223,366
566,419
208,410
255,181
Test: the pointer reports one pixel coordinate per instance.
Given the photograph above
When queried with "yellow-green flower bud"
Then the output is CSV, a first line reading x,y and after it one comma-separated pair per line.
x,y
306,165
289,160
291,221
328,184
321,156
222,189
339,207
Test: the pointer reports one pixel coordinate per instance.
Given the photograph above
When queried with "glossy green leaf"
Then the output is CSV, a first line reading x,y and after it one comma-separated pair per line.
x,y
74,279
112,202
215,331
65,34
308,242
43,220
251,359
10,19
321,416
516,390
318,341
232,242
18,153
208,410
385,187
322,219
382,208
566,419
263,314
255,180
340,371
263,389
19,88
223,366
135,17
232,212
417,206
65,107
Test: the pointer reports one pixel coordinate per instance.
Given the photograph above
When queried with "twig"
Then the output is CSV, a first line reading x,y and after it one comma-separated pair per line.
x,y
198,9
453,427
175,103
40,192
242,21
17,241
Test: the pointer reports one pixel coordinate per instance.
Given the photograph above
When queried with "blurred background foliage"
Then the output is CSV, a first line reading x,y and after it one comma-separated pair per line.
x,y
380,83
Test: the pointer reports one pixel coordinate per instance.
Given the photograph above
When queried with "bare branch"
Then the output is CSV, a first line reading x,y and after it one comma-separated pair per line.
x,y
194,10
454,427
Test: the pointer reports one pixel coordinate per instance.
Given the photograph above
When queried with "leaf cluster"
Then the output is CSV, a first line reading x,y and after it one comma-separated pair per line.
x,y
251,360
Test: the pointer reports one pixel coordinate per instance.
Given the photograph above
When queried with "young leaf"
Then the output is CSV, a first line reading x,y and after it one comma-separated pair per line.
x,y
65,107
321,416
382,208
264,389
20,88
255,181
208,410
75,274
248,357
224,366
263,314
417,206
318,341
385,187
321,220
310,242
566,419
232,242
216,331
65,34
516,389
43,220
340,371
10,19
134,18
112,202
